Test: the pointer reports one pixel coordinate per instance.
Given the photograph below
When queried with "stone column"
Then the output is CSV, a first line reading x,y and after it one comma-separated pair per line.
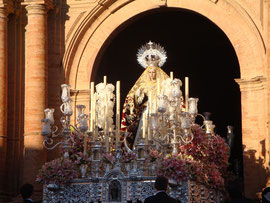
x,y
6,7
35,87
3,91
254,133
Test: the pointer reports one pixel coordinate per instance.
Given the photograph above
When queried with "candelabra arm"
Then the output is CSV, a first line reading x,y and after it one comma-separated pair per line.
x,y
54,130
159,141
202,118
174,142
126,146
74,128
184,141
49,141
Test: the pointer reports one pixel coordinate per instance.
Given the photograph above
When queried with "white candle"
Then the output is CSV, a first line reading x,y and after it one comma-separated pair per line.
x,y
117,112
186,93
171,75
106,136
150,102
92,106
94,118
148,129
158,86
144,126
105,79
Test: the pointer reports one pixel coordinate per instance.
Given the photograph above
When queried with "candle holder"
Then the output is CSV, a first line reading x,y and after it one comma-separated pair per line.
x,y
162,103
165,127
80,110
49,115
65,93
83,122
208,126
192,108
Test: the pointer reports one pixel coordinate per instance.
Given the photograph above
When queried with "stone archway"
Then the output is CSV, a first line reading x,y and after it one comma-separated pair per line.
x,y
93,29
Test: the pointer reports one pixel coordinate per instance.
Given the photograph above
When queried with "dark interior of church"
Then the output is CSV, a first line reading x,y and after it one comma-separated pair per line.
x,y
196,48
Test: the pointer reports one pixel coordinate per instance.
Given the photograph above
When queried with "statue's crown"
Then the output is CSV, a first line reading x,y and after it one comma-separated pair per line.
x,y
151,54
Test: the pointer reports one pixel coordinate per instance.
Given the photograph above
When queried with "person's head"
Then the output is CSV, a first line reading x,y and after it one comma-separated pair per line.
x,y
161,183
152,72
26,190
266,195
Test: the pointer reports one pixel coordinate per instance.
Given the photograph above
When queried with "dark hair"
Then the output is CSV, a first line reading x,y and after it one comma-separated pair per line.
x,y
26,190
161,183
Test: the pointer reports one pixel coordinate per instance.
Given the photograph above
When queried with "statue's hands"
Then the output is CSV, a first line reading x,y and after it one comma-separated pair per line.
x,y
140,95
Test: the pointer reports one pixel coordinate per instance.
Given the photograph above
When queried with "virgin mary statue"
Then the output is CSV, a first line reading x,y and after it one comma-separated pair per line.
x,y
143,94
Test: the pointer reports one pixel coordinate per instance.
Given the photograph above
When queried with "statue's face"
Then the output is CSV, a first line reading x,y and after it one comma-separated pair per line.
x,y
152,73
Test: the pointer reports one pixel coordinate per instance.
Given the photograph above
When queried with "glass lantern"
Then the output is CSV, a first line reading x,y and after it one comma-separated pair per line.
x,y
49,115
192,106
46,127
66,108
83,122
80,111
162,103
65,93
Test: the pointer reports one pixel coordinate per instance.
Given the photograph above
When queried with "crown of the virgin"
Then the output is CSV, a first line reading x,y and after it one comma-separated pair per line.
x,y
151,54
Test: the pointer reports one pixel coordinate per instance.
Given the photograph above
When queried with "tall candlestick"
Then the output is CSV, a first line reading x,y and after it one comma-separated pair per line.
x,y
106,136
94,118
150,102
144,125
105,79
84,143
158,86
148,128
186,93
117,112
92,106
171,75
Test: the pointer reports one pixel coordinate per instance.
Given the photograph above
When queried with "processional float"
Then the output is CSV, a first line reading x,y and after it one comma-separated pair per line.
x,y
112,170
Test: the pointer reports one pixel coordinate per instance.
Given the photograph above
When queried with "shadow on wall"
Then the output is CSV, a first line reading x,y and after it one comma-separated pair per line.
x,y
260,170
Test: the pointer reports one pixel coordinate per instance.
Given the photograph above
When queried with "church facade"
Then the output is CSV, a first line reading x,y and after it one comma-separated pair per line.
x,y
45,43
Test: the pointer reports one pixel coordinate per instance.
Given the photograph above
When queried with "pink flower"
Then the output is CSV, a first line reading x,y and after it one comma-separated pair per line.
x,y
59,171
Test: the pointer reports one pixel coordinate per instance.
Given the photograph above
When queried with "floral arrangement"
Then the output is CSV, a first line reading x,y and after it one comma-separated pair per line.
x,y
204,160
82,158
76,151
128,157
152,155
59,171
108,158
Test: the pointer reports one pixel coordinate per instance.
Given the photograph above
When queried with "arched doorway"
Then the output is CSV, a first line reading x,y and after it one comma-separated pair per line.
x,y
89,37
196,48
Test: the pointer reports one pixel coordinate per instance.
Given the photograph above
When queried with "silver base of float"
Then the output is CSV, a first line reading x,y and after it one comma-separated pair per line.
x,y
114,186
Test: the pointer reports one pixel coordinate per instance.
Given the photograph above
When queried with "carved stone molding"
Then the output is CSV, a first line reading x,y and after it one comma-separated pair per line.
x,y
80,95
47,3
252,84
112,8
36,9
8,5
74,92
